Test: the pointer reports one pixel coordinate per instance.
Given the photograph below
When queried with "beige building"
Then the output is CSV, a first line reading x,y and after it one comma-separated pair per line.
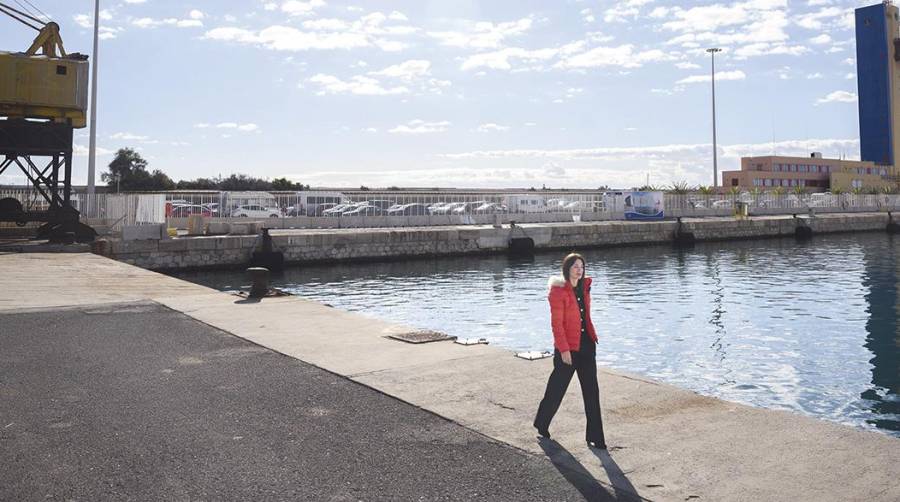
x,y
814,173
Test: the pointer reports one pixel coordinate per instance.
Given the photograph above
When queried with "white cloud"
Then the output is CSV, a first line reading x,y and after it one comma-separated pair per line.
x,y
687,66
850,76
135,1
359,85
82,151
838,97
408,70
270,6
814,76
420,127
248,127
501,60
821,39
409,75
482,35
623,56
371,30
149,22
725,75
297,8
196,14
491,127
625,11
397,16
826,17
128,136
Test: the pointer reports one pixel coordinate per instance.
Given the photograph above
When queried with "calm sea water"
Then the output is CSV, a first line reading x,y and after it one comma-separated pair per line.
x,y
809,327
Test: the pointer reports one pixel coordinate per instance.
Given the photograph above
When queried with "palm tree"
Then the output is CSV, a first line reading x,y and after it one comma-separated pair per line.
x,y
706,191
680,188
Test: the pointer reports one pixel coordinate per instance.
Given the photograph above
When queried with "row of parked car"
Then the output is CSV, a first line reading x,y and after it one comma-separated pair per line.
x,y
389,208
183,209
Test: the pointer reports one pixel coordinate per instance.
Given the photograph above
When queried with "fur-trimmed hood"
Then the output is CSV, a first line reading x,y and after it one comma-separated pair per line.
x,y
558,281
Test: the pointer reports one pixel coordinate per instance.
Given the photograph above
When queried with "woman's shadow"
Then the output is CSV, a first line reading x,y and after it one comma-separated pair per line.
x,y
581,479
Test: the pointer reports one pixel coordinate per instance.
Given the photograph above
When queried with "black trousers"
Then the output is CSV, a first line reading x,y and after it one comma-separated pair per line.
x,y
585,364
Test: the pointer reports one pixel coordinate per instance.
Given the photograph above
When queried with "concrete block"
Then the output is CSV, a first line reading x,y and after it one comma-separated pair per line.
x,y
141,232
218,228
239,228
196,224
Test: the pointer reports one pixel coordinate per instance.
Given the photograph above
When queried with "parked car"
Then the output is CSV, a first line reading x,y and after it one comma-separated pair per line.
x,y
491,208
337,210
363,210
414,209
436,206
254,211
184,211
447,208
468,207
380,204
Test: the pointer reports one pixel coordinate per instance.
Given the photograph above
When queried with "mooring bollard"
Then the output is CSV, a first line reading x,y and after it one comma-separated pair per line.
x,y
260,284
892,226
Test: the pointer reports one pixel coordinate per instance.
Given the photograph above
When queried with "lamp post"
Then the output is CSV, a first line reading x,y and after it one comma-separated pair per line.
x,y
92,149
712,51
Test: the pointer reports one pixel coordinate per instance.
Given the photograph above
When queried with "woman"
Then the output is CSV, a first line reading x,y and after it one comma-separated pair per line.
x,y
574,341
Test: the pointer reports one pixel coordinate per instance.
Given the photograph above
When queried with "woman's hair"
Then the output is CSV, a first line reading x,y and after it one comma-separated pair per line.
x,y
568,261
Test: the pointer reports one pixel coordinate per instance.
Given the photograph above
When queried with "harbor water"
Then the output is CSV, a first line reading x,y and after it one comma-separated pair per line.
x,y
809,327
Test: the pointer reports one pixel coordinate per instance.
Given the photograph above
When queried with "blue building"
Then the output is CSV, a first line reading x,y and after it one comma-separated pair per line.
x,y
877,41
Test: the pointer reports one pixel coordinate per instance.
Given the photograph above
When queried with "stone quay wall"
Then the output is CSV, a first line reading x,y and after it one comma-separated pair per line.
x,y
311,246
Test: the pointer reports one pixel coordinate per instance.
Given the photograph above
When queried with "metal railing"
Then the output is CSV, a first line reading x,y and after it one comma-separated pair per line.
x,y
397,208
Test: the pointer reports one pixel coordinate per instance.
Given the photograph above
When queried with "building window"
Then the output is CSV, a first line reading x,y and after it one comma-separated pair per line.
x,y
734,182
803,168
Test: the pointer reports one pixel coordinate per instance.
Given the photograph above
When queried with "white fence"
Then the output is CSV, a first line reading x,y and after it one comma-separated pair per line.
x,y
395,208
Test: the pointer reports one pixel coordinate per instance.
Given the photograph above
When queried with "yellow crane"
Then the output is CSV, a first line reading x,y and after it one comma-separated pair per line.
x,y
43,82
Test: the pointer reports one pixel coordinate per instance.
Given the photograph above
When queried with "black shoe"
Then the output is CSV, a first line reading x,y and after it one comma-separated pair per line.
x,y
543,432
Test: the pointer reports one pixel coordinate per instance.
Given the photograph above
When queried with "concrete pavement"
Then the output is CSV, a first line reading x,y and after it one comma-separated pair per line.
x,y
95,406
666,443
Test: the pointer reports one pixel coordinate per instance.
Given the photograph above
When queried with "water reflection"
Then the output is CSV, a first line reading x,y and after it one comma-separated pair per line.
x,y
883,339
808,327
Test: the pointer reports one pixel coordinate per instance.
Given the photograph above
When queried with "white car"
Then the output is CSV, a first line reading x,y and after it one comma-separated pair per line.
x,y
253,211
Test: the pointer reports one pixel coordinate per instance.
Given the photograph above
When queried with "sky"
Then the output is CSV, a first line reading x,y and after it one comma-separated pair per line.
x,y
462,93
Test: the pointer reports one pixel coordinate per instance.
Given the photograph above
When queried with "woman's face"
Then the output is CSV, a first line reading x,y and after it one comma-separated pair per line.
x,y
576,270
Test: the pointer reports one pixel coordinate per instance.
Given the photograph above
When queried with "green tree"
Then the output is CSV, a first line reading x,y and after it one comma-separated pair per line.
x,y
128,173
237,182
680,188
286,184
200,184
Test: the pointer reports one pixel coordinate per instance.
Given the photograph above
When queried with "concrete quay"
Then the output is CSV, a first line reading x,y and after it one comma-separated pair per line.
x,y
665,443
322,245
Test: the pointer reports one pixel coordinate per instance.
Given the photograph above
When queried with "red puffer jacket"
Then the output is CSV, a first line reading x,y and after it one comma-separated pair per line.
x,y
564,315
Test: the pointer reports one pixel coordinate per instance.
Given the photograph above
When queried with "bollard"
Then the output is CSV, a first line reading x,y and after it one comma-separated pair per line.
x,y
682,238
260,281
892,227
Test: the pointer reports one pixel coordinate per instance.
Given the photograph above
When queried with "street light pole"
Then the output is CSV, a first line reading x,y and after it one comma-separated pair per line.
x,y
712,51
92,149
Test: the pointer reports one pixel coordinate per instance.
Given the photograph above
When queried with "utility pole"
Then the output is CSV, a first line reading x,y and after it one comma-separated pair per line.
x,y
92,149
712,51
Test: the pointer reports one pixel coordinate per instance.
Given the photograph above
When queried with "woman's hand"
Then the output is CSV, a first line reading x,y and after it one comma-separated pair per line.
x,y
566,357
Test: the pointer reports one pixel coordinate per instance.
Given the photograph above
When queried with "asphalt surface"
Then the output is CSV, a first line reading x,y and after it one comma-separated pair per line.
x,y
138,402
